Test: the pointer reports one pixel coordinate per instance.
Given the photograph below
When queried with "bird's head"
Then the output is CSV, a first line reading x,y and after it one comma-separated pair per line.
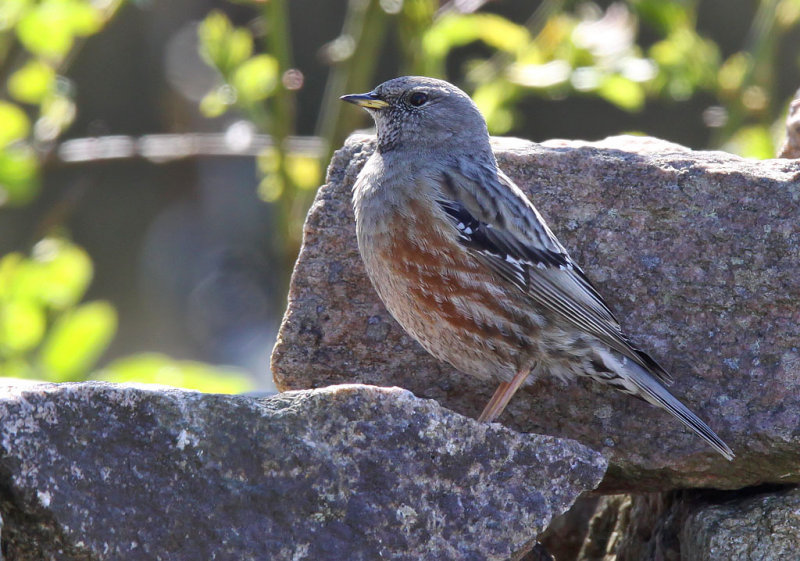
x,y
422,114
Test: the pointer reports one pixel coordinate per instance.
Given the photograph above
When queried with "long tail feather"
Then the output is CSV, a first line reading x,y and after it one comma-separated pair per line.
x,y
652,391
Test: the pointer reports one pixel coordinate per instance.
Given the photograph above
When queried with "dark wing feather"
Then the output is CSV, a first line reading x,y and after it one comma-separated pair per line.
x,y
546,274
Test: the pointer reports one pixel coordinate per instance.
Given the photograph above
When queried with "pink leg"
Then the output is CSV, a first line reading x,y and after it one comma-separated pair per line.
x,y
502,396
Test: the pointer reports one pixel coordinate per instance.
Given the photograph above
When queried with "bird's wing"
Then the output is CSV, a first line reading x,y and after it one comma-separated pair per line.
x,y
511,238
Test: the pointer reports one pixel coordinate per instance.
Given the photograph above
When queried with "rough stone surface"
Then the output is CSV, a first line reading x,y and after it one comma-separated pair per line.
x,y
762,528
756,524
698,254
99,472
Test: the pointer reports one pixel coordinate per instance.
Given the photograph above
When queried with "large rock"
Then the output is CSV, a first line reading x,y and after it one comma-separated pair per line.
x,y
100,472
753,525
698,253
765,527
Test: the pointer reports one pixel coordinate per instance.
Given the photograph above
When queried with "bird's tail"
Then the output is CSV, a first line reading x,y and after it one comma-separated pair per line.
x,y
654,392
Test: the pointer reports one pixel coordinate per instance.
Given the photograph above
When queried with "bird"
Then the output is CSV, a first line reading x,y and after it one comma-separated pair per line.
x,y
466,264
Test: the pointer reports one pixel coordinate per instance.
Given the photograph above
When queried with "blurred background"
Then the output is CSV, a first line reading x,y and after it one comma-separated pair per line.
x,y
157,158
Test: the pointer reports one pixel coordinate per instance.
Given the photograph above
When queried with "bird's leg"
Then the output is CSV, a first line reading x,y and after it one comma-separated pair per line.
x,y
502,396
492,405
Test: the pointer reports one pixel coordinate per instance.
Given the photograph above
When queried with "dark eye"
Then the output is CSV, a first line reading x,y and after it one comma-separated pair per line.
x,y
417,98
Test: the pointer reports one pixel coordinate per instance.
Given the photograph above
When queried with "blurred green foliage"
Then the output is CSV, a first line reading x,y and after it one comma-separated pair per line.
x,y
46,330
154,368
562,49
36,41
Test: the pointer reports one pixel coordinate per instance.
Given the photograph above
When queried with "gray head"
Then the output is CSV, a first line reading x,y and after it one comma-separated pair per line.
x,y
419,113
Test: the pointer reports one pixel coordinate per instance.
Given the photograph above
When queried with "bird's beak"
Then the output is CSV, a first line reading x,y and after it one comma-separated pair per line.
x,y
368,100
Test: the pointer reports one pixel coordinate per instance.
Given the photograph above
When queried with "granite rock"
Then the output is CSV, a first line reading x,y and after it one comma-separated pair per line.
x,y
755,524
698,254
95,471
765,527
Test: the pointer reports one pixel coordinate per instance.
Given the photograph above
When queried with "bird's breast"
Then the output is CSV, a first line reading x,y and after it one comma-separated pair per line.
x,y
440,293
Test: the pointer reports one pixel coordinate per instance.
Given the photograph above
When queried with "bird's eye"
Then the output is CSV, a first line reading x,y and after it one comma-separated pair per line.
x,y
417,98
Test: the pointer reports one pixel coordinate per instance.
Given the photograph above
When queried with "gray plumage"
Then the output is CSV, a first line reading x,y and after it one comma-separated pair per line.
x,y
465,263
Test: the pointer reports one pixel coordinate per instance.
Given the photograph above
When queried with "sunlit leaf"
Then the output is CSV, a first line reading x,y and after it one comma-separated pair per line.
x,y
622,92
218,101
454,30
267,160
270,188
685,62
83,17
9,268
59,273
17,367
752,142
19,175
255,79
491,99
554,37
787,13
15,124
240,46
58,112
154,368
76,341
731,74
212,32
49,29
32,82
11,11
221,45
664,15
22,326
305,171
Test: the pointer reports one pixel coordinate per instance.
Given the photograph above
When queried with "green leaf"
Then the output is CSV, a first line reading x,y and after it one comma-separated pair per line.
x,y
221,45
58,112
454,30
49,29
43,33
270,188
76,341
9,267
752,142
492,99
733,71
16,367
32,82
11,11
305,171
83,17
663,15
256,78
60,273
15,124
19,175
686,62
22,326
622,92
154,368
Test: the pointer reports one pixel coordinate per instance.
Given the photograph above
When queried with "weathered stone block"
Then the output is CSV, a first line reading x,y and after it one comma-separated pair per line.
x,y
96,471
697,252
